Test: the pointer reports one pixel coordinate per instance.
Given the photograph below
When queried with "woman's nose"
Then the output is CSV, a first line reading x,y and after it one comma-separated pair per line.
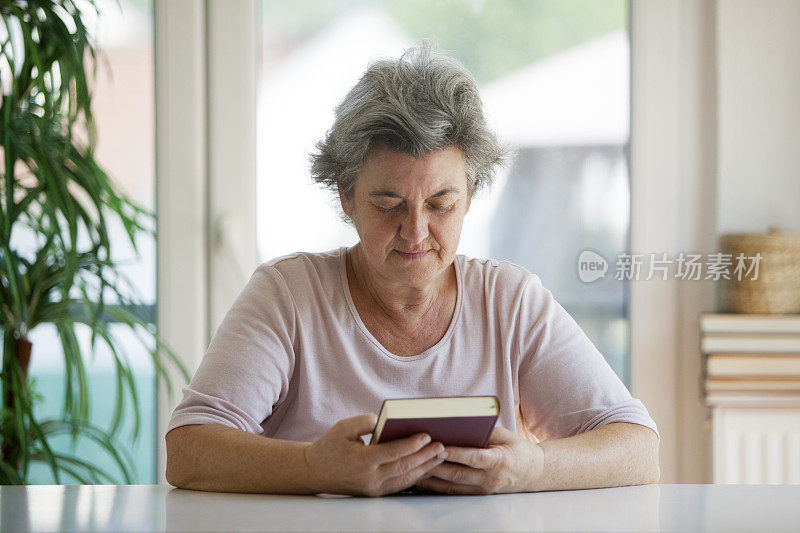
x,y
414,227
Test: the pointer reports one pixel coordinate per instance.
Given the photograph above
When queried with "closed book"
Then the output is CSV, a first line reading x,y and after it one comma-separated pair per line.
x,y
720,365
742,323
750,342
753,399
737,384
452,420
755,354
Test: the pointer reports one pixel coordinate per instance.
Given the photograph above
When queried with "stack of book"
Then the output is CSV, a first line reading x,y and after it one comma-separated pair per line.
x,y
751,360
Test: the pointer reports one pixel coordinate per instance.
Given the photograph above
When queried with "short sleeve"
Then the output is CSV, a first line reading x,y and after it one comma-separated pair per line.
x,y
566,387
249,362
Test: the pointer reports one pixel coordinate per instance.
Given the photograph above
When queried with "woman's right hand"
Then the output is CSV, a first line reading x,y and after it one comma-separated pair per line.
x,y
341,463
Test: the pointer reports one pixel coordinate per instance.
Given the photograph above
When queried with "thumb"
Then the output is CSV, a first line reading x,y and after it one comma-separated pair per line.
x,y
352,428
501,435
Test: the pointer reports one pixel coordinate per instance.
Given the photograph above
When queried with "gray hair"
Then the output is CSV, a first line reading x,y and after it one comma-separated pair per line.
x,y
420,103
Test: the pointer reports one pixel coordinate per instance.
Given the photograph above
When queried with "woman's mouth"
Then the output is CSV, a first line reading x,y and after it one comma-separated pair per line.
x,y
413,255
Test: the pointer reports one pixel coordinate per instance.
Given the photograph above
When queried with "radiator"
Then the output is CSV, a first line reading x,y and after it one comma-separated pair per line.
x,y
756,445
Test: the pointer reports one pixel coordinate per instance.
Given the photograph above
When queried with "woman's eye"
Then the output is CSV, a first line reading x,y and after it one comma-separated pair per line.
x,y
390,209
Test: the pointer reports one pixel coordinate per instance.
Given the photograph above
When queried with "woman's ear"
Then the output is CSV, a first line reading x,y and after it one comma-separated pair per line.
x,y
347,205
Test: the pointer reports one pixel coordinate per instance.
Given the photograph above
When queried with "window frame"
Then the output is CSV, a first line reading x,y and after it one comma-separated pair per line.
x,y
205,174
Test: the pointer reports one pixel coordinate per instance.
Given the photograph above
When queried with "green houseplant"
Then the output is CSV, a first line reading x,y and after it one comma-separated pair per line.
x,y
60,204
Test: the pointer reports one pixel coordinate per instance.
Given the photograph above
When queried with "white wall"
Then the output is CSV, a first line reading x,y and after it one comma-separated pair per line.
x,y
758,51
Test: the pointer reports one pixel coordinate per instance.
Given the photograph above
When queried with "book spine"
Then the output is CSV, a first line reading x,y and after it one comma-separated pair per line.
x,y
719,384
721,365
763,324
753,399
750,343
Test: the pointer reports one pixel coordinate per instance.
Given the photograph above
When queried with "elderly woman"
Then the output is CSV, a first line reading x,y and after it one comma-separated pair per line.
x,y
289,387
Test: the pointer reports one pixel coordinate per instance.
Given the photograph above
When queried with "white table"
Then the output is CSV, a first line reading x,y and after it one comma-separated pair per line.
x,y
641,508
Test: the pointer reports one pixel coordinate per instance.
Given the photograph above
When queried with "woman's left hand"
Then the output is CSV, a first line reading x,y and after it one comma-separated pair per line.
x,y
510,463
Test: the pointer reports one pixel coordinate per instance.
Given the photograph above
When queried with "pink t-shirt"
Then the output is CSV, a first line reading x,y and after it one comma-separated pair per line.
x,y
292,357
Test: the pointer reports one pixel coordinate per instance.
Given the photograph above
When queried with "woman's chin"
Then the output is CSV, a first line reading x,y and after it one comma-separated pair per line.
x,y
414,274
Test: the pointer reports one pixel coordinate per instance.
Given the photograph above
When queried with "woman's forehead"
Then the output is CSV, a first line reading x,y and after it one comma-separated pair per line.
x,y
395,174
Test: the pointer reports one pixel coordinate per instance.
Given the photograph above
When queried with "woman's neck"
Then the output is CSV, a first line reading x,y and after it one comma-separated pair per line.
x,y
398,301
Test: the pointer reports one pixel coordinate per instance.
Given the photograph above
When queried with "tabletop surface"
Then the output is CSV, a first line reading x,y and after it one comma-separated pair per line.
x,y
661,507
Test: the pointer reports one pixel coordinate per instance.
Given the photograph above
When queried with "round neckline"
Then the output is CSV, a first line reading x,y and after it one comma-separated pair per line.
x,y
430,351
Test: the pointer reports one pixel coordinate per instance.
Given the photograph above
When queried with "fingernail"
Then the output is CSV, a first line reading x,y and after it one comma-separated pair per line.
x,y
425,439
443,455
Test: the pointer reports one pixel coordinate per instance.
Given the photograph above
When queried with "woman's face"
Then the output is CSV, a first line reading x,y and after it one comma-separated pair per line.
x,y
409,212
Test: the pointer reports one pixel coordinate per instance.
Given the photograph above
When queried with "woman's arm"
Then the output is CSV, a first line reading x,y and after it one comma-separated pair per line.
x,y
217,458
612,455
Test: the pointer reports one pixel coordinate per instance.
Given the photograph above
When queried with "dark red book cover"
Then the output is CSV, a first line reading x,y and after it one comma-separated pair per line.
x,y
473,431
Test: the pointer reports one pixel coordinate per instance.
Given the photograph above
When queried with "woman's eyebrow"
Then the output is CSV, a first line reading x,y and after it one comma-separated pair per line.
x,y
391,194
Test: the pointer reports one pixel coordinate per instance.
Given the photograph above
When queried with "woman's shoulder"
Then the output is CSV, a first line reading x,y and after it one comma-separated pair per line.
x,y
302,278
499,289
493,273
298,267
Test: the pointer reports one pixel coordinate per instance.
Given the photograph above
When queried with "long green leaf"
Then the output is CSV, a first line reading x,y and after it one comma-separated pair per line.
x,y
74,358
66,466
41,441
120,455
